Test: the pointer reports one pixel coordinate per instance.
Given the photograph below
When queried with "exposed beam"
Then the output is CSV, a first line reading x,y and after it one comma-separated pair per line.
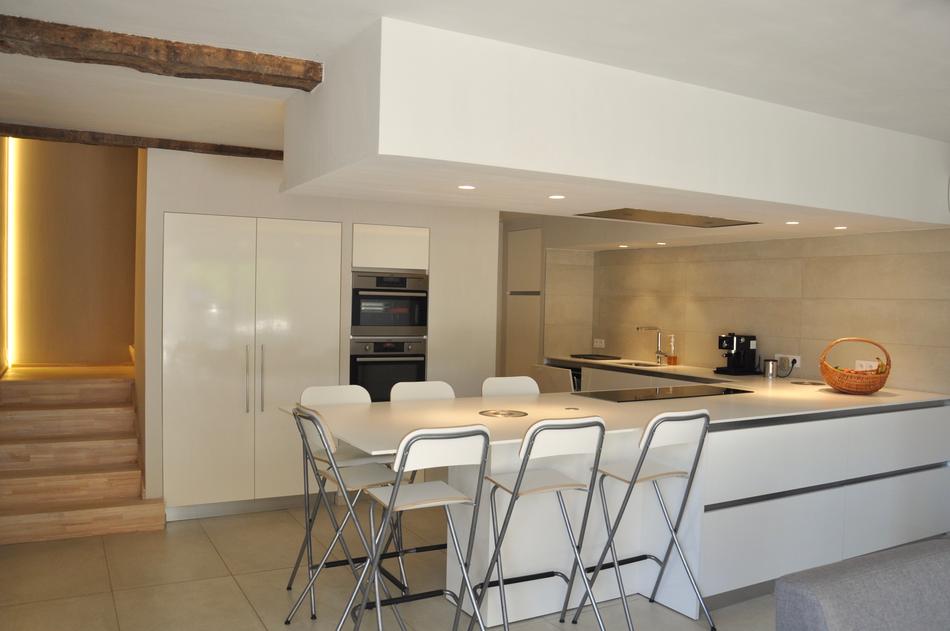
x,y
142,142
37,38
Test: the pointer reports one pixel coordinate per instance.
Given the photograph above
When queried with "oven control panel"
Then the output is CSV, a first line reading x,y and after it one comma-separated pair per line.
x,y
387,347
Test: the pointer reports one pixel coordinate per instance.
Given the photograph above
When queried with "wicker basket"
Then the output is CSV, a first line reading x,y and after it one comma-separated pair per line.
x,y
849,382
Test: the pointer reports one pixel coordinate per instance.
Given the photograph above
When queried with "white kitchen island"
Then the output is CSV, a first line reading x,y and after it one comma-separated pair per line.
x,y
793,476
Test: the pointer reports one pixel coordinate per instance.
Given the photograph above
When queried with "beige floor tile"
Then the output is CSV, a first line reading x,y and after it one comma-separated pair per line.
x,y
181,552
757,614
256,541
53,569
268,595
83,613
206,605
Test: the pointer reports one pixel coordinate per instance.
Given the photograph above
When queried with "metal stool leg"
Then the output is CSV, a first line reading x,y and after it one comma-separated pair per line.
x,y
501,573
616,559
463,564
580,562
311,519
679,551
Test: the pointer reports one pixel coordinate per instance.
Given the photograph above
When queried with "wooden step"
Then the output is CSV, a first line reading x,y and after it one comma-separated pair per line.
x,y
53,488
66,452
66,392
22,422
81,519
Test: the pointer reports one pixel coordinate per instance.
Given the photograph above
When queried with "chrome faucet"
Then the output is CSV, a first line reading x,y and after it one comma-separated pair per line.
x,y
660,355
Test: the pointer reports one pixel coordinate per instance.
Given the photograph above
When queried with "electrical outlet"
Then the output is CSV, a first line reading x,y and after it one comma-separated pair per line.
x,y
865,364
600,343
784,363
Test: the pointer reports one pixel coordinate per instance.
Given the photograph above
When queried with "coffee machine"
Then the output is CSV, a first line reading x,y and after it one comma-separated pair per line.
x,y
740,354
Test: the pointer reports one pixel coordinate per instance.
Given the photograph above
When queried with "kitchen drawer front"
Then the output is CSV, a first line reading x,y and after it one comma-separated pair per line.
x,y
888,512
745,463
879,443
750,544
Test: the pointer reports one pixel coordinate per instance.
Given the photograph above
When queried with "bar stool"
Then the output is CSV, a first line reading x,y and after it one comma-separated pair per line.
x,y
421,390
425,449
345,455
670,447
544,439
509,386
357,478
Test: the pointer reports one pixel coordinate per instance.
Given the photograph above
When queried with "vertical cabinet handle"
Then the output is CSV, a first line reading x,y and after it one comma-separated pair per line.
x,y
247,371
262,377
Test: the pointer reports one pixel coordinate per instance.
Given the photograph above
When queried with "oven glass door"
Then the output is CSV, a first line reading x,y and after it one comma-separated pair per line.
x,y
377,312
379,374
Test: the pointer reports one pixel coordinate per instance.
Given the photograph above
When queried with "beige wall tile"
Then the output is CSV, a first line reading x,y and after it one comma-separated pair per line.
x,y
569,280
909,242
893,276
925,322
914,367
781,317
569,257
746,279
563,340
643,279
569,309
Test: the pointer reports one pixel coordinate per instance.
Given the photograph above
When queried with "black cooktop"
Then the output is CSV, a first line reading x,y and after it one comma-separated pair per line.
x,y
594,356
653,394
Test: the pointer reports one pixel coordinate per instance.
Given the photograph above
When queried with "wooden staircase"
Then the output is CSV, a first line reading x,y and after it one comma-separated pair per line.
x,y
69,462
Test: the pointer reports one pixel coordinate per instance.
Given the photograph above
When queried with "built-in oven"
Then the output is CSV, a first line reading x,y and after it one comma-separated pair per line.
x,y
379,364
389,303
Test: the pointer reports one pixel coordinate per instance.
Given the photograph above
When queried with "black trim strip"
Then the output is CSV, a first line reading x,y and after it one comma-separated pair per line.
x,y
524,293
821,487
768,421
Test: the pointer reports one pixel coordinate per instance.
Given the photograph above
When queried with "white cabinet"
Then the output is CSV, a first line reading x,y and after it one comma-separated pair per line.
x,y
298,339
251,316
390,247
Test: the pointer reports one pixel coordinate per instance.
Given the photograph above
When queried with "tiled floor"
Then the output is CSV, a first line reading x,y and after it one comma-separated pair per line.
x,y
230,573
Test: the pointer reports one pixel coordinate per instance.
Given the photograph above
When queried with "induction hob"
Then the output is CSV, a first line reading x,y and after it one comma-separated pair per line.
x,y
654,394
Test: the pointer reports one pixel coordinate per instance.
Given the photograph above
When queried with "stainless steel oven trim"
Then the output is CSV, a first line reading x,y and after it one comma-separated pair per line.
x,y
362,331
392,294
392,358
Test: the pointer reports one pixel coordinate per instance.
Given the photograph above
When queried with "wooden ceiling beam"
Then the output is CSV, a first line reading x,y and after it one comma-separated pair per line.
x,y
141,142
36,38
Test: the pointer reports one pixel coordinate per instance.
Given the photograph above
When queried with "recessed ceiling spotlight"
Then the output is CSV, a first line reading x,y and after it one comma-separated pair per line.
x,y
555,197
841,227
623,245
791,223
466,187
661,242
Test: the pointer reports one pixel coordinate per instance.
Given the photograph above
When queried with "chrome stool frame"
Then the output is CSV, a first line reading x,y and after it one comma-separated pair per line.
x,y
644,471
528,451
408,461
303,416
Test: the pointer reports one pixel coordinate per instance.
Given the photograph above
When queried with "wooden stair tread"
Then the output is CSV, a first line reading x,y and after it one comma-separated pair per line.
x,y
64,407
81,438
69,471
80,506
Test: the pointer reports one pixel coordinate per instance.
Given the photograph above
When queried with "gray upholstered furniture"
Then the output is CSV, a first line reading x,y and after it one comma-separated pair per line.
x,y
901,589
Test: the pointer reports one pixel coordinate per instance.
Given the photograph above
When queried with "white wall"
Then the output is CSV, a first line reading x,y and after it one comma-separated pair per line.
x,y
463,265
459,98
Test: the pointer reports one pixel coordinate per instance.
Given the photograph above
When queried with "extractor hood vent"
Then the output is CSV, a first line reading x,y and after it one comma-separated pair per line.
x,y
669,219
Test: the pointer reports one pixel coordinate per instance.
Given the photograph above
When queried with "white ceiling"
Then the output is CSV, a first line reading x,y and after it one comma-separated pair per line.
x,y
882,62
433,182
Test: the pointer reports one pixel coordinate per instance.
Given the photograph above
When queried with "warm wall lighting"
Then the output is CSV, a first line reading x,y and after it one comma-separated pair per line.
x,y
466,187
661,242
10,241
555,197
841,227
791,223
623,246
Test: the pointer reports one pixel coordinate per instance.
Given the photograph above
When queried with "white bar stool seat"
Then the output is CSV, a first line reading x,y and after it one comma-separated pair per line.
x,y
509,387
363,477
536,481
346,455
421,495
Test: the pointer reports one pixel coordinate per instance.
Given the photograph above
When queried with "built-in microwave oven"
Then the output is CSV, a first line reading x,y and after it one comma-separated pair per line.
x,y
389,303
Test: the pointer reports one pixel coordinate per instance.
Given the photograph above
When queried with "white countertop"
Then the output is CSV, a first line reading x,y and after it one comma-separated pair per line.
x,y
377,428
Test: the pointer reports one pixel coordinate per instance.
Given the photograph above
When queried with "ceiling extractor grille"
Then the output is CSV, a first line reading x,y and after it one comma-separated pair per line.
x,y
670,219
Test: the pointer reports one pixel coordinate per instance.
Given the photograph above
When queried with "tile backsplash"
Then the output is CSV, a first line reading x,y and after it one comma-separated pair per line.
x,y
795,295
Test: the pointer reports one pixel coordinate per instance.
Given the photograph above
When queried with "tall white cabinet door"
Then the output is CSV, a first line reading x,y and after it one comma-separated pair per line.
x,y
208,359
298,338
